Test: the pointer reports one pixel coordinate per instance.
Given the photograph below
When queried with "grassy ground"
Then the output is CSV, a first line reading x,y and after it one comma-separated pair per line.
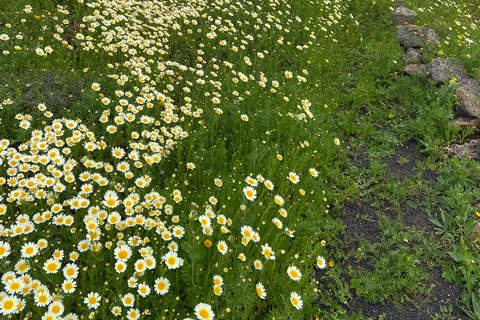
x,y
247,160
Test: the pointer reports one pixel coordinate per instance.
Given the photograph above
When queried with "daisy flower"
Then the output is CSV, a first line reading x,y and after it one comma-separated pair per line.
x,y
204,220
69,285
92,300
336,141
96,86
279,200
162,285
42,299
133,314
118,153
217,289
250,193
296,300
52,265
172,260
140,266
222,247
213,200
261,291
251,181
218,182
258,264
277,223
120,266
292,176
132,282
8,305
221,219
116,310
21,266
218,280
313,172
29,250
4,249
151,262
267,252
173,246
110,199
268,184
321,263
204,311
143,290
246,231
14,286
128,300
57,308
122,252
294,273
71,316
244,117
242,257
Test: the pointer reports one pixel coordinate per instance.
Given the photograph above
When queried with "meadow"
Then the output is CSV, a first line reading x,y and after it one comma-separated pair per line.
x,y
193,159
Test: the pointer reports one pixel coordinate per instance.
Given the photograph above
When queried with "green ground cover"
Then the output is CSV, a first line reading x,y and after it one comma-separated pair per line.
x,y
191,159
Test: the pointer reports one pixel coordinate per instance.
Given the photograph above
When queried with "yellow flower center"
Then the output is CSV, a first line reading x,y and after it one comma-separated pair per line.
x,y
204,313
171,261
52,267
122,254
259,291
8,305
161,286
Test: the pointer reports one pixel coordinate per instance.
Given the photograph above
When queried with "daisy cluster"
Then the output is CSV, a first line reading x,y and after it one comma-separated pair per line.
x,y
78,197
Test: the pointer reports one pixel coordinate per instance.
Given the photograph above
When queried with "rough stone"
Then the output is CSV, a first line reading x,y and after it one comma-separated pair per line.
x,y
465,122
443,70
467,95
401,16
470,149
417,37
417,69
413,56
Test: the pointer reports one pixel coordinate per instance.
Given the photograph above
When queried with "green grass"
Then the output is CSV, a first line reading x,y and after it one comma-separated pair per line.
x,y
226,117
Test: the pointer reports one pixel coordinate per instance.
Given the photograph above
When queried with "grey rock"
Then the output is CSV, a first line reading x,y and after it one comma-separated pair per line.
x,y
470,149
417,37
465,122
402,16
417,69
467,95
413,56
443,70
